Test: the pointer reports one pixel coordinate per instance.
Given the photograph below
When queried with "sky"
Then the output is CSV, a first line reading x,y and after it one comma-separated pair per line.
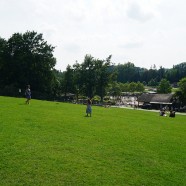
x,y
143,32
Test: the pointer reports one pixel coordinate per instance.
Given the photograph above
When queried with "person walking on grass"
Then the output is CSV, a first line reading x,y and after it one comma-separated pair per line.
x,y
89,108
28,94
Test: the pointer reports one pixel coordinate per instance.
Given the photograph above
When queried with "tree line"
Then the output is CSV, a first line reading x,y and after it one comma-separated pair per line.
x,y
129,73
28,59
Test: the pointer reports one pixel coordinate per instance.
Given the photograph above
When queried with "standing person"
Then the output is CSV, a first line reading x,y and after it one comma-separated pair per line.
x,y
89,108
28,94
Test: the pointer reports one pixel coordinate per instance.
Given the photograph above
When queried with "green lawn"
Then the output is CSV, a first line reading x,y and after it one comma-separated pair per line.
x,y
51,143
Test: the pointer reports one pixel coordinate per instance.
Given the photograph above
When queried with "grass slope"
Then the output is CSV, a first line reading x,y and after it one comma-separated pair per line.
x,y
51,143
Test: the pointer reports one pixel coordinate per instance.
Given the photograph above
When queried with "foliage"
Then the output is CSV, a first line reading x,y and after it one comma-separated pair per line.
x,y
140,87
182,87
27,59
68,81
129,73
164,87
114,89
153,82
96,99
88,78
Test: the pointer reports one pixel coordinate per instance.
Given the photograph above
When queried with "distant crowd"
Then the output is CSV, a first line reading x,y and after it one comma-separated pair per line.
x,y
164,112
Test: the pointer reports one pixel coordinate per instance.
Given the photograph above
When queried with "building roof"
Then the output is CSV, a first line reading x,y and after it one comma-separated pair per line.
x,y
155,98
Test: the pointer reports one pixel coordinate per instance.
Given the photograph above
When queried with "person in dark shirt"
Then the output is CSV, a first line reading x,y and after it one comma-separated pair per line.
x,y
28,94
172,114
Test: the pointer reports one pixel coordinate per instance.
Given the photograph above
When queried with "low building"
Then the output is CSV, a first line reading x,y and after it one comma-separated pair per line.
x,y
155,101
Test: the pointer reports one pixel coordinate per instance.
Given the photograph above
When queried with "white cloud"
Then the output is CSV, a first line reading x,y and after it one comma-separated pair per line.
x,y
135,12
144,32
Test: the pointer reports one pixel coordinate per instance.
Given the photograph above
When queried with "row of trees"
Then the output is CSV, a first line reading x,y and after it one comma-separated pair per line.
x,y
89,78
28,59
129,73
95,77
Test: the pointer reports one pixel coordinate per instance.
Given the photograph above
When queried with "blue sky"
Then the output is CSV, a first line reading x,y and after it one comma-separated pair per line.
x,y
144,32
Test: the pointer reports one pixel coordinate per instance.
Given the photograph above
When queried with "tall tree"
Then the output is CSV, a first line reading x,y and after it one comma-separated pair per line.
x,y
182,86
3,60
103,76
127,72
140,87
164,87
78,79
89,75
68,83
114,89
132,87
30,61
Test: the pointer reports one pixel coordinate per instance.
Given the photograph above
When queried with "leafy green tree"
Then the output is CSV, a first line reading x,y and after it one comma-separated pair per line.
x,y
152,83
132,87
57,89
29,61
152,74
164,87
140,87
103,76
68,83
161,73
124,87
127,73
172,75
114,89
3,61
180,70
78,79
88,75
182,86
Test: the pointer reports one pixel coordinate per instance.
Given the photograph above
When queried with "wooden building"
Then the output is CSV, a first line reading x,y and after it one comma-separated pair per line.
x,y
155,101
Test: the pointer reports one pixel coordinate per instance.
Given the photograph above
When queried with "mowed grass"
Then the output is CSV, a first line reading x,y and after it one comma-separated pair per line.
x,y
52,143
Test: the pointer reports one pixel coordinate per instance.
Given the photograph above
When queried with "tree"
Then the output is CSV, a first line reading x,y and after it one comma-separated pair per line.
x,y
88,76
78,79
124,87
114,89
29,60
164,87
152,82
182,86
161,73
140,87
3,60
103,76
127,73
57,87
132,87
68,84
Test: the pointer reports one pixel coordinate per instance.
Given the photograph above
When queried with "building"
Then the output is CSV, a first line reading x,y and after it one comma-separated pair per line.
x,y
155,101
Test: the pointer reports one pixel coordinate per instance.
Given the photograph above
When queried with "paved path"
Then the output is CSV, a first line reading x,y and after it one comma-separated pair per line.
x,y
180,113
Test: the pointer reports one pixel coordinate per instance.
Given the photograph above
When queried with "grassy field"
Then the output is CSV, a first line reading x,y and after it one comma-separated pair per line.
x,y
51,143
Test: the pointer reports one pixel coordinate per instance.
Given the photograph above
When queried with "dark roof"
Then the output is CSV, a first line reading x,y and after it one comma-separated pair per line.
x,y
145,98
155,98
